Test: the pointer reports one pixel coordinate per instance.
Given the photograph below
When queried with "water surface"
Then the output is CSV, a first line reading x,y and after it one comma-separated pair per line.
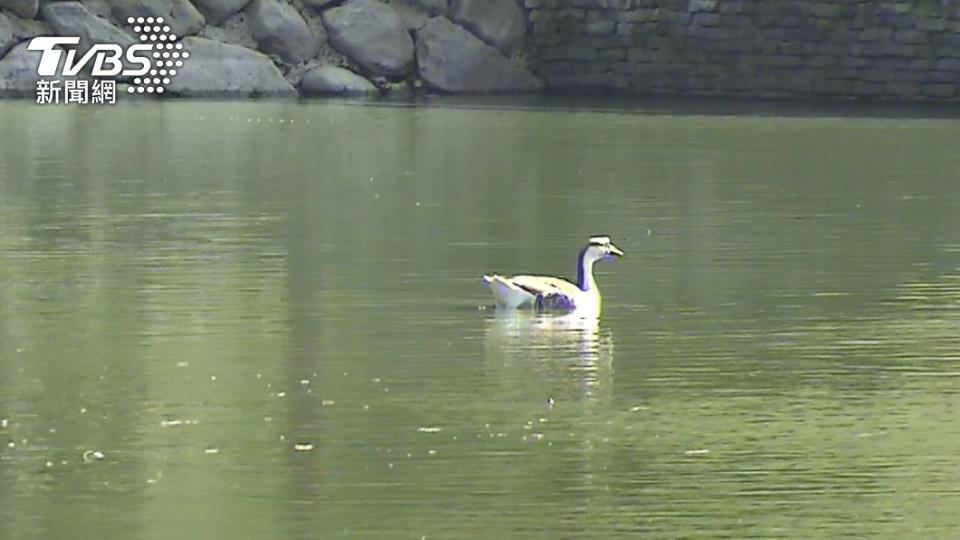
x,y
198,290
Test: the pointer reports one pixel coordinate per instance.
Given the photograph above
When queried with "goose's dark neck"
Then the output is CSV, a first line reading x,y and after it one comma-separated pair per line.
x,y
585,272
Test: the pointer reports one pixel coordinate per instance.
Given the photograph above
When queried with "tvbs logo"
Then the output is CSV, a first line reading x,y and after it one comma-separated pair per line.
x,y
147,66
106,57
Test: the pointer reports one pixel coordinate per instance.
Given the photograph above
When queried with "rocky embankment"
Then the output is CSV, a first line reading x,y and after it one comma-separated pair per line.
x,y
244,48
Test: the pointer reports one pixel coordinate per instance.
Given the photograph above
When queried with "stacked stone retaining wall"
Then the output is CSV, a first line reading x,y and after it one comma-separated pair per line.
x,y
898,50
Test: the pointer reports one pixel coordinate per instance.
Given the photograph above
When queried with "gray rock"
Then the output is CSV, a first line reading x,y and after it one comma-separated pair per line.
x,y
217,69
325,80
180,15
280,30
7,37
73,19
431,7
234,31
317,4
450,59
24,29
217,11
497,22
371,34
702,5
27,9
18,72
315,23
413,16
100,8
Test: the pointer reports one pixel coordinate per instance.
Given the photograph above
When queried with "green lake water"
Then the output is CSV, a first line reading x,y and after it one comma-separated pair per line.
x,y
267,318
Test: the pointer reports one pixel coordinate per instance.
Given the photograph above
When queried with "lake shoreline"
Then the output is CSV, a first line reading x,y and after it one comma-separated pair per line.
x,y
612,102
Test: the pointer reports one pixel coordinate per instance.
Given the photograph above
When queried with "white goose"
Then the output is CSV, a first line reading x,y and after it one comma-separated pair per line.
x,y
549,293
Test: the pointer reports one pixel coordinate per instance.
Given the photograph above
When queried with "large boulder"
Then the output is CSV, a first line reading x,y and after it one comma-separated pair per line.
x,y
451,59
413,16
327,79
432,7
497,22
180,15
7,35
234,31
18,72
27,9
73,19
415,13
13,30
373,35
100,8
314,22
217,69
280,30
217,11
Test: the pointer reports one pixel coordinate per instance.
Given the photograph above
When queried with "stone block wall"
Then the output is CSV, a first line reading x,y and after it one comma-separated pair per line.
x,y
881,49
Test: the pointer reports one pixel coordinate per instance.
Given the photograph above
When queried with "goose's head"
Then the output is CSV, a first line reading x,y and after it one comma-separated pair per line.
x,y
600,247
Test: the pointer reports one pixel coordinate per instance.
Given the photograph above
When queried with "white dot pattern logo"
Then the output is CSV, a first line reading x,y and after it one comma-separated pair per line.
x,y
167,52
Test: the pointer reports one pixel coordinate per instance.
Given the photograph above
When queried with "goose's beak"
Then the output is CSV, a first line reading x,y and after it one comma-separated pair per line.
x,y
614,250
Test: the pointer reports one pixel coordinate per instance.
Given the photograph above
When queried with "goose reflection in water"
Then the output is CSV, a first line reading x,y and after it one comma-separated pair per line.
x,y
552,347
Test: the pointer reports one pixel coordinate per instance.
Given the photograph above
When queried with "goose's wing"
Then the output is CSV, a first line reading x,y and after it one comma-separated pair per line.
x,y
550,292
547,293
544,285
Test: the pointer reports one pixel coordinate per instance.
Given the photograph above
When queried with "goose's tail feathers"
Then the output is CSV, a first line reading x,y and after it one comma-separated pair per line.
x,y
505,293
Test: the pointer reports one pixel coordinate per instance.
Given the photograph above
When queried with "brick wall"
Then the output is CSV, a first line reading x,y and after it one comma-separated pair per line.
x,y
904,50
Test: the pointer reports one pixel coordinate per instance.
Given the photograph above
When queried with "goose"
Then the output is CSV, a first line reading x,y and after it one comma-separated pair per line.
x,y
547,293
